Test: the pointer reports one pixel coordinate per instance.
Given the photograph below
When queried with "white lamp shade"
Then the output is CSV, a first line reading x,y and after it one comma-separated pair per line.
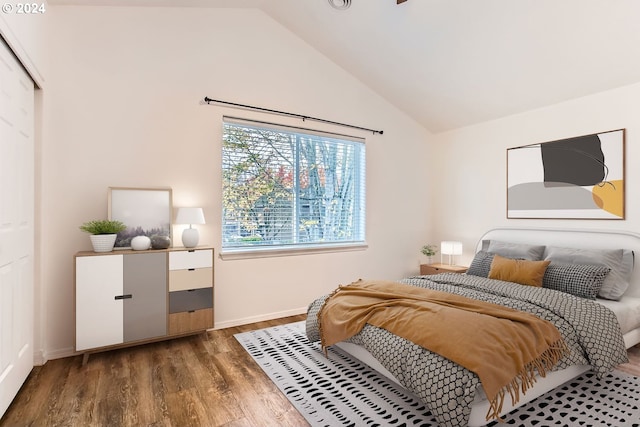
x,y
190,216
451,248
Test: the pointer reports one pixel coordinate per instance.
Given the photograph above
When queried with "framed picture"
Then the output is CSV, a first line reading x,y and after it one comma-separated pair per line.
x,y
574,178
145,212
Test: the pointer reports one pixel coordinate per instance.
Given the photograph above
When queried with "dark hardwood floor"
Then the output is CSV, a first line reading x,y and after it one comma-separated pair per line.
x,y
202,380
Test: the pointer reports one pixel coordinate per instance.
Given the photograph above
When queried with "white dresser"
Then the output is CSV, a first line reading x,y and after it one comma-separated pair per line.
x,y
125,298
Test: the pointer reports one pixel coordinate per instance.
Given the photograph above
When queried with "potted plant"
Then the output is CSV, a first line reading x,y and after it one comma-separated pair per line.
x,y
429,251
103,233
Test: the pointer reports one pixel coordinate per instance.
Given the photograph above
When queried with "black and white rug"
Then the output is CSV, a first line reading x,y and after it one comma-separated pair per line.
x,y
342,391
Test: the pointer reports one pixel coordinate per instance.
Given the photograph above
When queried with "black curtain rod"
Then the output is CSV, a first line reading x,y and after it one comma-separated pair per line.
x,y
284,113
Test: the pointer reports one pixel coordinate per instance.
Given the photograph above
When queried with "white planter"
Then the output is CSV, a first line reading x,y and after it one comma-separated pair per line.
x,y
103,242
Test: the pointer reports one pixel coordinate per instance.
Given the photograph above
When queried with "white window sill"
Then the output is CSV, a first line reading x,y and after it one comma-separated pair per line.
x,y
253,252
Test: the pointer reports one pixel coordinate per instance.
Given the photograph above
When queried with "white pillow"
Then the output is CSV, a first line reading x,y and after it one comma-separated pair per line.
x,y
618,260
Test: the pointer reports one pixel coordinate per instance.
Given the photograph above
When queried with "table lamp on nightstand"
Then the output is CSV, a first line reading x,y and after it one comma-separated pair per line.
x,y
450,248
190,236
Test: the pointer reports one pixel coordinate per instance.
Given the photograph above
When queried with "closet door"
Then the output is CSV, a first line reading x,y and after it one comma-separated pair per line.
x,y
16,225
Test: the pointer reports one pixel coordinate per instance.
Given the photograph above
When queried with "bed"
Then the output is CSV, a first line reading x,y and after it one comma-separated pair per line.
x,y
415,369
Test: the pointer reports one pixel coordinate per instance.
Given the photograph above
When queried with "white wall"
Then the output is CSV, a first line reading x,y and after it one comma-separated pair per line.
x,y
472,162
123,109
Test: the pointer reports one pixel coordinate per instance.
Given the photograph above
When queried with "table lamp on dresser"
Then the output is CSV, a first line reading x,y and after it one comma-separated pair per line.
x,y
190,236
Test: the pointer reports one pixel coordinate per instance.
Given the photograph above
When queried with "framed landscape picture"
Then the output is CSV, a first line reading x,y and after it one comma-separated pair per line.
x,y
145,212
573,178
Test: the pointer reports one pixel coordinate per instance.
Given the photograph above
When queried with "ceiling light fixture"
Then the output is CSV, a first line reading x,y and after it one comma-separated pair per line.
x,y
340,4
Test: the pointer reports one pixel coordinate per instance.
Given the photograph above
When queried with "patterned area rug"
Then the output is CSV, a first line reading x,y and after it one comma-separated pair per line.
x,y
342,391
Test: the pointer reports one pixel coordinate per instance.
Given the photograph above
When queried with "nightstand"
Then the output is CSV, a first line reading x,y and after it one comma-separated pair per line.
x,y
426,269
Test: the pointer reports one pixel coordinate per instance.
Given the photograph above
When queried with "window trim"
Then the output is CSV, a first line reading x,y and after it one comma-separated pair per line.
x,y
289,128
265,251
291,250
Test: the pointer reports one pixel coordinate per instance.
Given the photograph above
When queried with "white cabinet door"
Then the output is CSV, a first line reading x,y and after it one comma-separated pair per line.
x,y
16,226
99,315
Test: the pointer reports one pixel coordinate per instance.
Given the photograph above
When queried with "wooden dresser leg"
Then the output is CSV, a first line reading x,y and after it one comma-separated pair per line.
x,y
85,358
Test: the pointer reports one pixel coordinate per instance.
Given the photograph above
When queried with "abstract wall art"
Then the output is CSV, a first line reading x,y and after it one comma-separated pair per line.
x,y
573,178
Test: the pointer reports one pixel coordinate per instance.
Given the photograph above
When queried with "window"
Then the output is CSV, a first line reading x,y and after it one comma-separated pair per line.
x,y
290,188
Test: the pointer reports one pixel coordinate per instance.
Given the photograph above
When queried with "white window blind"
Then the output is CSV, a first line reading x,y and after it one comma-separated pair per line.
x,y
290,188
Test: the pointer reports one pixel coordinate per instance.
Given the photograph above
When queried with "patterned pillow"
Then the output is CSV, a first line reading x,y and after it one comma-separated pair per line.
x,y
583,280
481,264
616,282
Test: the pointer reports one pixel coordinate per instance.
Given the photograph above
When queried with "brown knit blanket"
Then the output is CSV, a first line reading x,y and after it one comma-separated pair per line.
x,y
503,346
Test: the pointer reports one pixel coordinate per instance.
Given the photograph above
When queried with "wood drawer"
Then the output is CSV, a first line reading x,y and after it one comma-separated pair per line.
x,y
183,260
180,323
193,278
426,269
191,300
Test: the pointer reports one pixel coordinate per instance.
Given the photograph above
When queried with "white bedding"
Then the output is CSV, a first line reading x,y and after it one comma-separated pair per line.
x,y
627,311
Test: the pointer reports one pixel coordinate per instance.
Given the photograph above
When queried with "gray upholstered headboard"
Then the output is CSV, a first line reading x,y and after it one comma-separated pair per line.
x,y
585,239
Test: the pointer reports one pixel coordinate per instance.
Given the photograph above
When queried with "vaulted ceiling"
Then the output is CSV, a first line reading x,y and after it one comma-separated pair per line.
x,y
453,63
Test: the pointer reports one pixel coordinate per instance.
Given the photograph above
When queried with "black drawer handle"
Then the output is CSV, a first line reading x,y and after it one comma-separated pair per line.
x,y
127,296
191,311
191,269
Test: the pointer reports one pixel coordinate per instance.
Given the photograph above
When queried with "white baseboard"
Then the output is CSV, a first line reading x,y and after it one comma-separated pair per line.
x,y
41,357
261,318
38,358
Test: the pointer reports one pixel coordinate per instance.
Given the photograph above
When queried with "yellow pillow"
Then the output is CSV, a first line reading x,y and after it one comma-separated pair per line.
x,y
520,271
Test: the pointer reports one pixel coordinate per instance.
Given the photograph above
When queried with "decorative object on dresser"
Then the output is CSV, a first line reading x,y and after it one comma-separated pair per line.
x,y
146,211
131,297
103,233
428,269
160,242
450,248
190,236
140,243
